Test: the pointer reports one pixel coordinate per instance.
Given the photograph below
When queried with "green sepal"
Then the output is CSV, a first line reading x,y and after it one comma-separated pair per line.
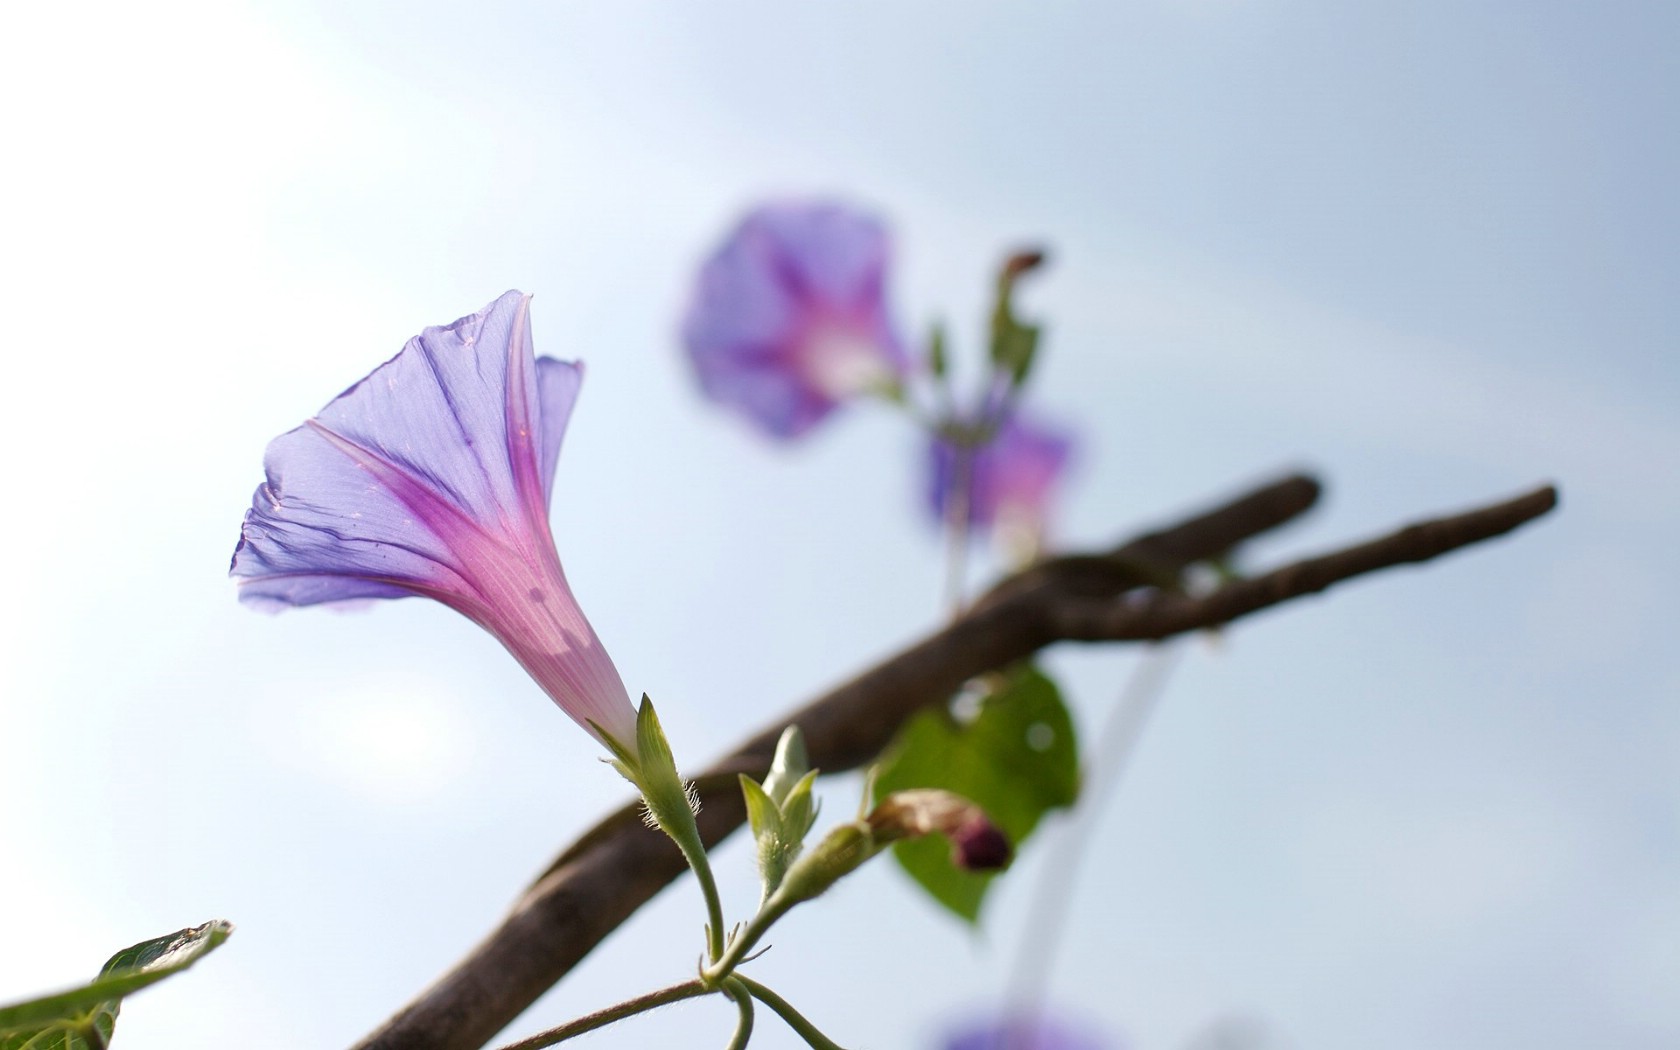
x,y
763,816
769,834
623,760
656,774
83,1018
1017,759
652,748
781,811
800,808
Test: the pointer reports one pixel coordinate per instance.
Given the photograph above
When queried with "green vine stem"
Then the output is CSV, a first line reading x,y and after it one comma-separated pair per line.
x,y
694,851
734,989
602,1018
795,1020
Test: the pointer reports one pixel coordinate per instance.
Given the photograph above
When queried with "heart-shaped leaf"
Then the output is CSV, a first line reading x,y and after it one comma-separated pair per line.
x,y
1017,758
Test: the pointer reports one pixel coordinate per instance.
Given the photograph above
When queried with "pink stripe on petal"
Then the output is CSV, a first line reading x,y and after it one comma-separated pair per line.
x,y
459,533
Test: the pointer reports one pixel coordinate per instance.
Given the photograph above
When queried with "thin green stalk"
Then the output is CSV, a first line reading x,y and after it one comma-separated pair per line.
x,y
957,513
601,1018
743,1002
795,1020
694,851
670,803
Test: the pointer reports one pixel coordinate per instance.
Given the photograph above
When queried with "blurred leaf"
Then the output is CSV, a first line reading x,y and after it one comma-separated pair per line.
x,y
83,1018
1017,759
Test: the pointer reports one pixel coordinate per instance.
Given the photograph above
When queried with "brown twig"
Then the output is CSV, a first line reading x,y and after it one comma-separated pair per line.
x,y
1130,593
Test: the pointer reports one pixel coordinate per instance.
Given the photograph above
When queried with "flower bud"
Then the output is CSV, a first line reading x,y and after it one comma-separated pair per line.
x,y
980,846
1021,262
976,843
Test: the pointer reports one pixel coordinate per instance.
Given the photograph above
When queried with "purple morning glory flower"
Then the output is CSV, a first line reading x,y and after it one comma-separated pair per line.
x,y
1023,1033
432,477
789,317
1011,479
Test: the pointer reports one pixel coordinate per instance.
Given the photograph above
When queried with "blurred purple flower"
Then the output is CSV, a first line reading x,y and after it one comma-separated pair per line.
x,y
1023,1033
1011,480
432,477
789,316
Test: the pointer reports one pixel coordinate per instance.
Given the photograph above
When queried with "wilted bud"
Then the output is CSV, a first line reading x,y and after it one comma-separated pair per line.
x,y
976,843
1022,261
1014,343
980,846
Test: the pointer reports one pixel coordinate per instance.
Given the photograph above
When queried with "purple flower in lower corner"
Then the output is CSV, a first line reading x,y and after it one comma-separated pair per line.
x,y
1006,485
432,477
789,316
1023,1032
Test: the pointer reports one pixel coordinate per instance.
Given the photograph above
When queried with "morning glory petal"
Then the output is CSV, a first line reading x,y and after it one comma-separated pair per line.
x,y
826,253
432,477
334,535
558,383
438,410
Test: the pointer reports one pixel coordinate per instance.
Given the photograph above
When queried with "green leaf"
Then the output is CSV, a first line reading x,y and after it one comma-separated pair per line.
x,y
1017,758
83,1018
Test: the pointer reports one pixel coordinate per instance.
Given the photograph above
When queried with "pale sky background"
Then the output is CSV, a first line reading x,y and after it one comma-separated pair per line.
x,y
1428,250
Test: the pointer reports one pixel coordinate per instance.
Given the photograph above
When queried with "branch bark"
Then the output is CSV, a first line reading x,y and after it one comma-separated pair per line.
x,y
1129,593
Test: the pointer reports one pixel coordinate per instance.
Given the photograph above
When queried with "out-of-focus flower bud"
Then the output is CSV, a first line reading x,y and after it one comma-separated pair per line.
x,y
976,843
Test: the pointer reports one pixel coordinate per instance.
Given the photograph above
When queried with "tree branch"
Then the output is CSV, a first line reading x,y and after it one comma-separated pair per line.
x,y
1129,593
